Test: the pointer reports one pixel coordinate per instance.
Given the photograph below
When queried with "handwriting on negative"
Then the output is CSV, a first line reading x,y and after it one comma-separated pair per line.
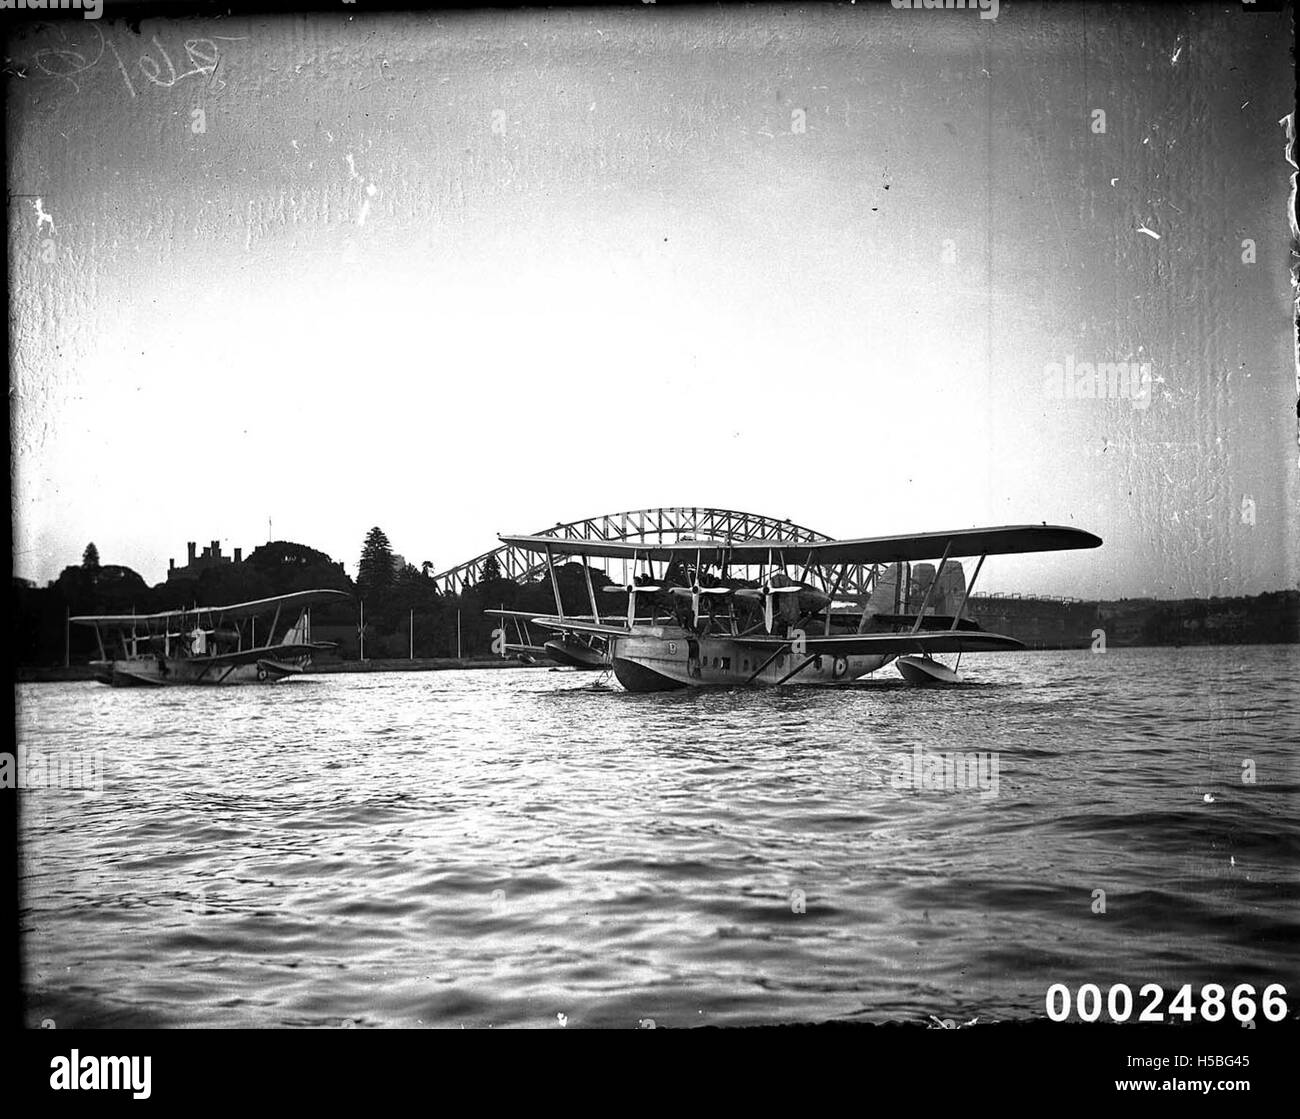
x,y
155,65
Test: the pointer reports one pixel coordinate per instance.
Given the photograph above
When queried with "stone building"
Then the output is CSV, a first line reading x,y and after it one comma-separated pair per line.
x,y
197,564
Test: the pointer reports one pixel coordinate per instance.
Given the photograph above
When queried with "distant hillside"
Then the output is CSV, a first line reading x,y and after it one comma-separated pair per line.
x,y
1042,623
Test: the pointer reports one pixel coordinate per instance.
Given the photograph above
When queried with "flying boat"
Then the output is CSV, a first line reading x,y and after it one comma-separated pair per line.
x,y
707,627
239,644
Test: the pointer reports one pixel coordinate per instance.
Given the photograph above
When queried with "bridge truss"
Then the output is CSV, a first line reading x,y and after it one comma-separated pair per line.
x,y
663,526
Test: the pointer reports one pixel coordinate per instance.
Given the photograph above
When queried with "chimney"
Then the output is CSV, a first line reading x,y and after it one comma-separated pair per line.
x,y
239,555
191,546
216,549
171,565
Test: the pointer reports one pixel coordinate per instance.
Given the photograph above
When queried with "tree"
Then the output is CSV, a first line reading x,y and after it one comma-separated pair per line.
x,y
426,568
284,554
493,588
90,557
375,571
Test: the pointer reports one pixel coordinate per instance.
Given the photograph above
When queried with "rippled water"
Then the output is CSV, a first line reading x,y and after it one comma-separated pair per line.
x,y
503,848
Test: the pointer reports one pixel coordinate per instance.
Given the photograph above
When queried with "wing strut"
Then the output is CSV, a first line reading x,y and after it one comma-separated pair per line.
x,y
776,653
591,593
969,588
555,583
866,602
831,604
795,671
929,591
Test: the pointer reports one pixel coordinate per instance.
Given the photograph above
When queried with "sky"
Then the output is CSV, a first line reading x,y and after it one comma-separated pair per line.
x,y
467,274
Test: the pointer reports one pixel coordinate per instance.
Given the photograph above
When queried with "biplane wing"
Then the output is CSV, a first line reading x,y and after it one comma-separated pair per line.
x,y
1004,540
227,613
890,644
530,615
534,616
839,644
571,625
264,652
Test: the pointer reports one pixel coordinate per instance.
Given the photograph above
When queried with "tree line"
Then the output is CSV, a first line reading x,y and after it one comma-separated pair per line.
x,y
403,607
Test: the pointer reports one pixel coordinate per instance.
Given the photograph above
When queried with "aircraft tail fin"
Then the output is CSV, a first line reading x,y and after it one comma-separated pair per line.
x,y
298,633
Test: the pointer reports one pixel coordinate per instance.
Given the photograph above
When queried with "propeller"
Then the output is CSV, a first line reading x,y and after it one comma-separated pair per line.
x,y
695,591
766,593
767,590
631,590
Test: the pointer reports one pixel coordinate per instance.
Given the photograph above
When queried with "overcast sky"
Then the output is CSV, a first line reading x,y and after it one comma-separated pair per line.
x,y
482,273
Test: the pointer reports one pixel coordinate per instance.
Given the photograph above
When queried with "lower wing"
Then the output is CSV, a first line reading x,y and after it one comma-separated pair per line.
x,y
273,652
533,616
869,644
570,625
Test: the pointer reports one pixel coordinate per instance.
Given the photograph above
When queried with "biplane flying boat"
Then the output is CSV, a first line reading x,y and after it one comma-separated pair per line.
x,y
209,644
720,630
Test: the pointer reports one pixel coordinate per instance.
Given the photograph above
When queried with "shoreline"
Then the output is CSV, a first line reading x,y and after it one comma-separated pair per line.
x,y
59,674
419,664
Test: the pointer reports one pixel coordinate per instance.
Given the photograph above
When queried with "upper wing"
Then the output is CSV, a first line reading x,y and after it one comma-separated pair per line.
x,y
238,610
1005,540
870,644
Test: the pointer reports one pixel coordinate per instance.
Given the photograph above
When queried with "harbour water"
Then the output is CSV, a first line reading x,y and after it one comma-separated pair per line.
x,y
537,848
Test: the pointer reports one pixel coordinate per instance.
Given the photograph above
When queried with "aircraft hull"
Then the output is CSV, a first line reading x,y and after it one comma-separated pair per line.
x,y
161,672
679,659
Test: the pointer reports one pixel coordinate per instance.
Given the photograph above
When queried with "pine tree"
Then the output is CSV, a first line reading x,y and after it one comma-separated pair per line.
x,y
90,557
375,571
491,571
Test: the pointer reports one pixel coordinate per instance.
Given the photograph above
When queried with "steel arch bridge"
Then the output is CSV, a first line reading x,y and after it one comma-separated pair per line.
x,y
656,526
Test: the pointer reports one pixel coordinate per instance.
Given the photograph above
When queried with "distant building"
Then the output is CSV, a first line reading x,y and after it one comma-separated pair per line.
x,y
197,564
